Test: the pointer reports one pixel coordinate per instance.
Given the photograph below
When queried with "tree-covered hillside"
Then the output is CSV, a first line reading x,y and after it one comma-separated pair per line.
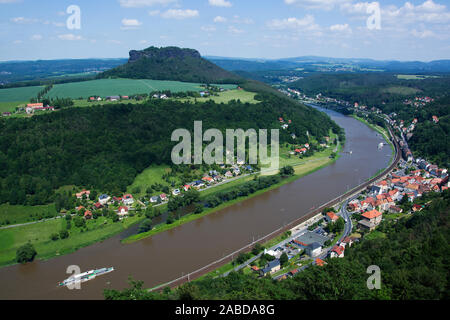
x,y
413,260
171,63
105,147
431,140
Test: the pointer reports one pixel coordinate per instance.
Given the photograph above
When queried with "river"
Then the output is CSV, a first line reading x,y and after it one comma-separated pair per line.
x,y
182,250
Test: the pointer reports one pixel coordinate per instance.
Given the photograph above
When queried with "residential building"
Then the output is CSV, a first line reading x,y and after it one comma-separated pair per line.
x,y
370,220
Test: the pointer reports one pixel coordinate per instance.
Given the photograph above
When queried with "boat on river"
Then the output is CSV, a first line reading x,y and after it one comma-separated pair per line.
x,y
86,276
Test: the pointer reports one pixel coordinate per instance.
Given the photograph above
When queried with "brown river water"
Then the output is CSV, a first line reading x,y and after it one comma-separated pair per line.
x,y
169,255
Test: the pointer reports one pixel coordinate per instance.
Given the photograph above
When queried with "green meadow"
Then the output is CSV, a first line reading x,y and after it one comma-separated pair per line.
x,y
23,214
39,235
227,96
18,94
117,87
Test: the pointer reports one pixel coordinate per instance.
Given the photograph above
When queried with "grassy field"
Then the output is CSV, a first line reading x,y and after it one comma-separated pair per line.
x,y
18,94
227,96
39,235
11,106
116,87
405,91
84,103
149,177
413,77
23,214
375,235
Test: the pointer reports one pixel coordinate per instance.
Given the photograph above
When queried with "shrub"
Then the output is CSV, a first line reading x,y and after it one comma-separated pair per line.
x,y
26,253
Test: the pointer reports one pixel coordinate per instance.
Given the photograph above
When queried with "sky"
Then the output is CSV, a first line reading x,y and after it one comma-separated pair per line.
x,y
269,29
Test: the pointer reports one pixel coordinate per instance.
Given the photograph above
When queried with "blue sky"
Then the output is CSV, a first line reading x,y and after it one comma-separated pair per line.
x,y
409,30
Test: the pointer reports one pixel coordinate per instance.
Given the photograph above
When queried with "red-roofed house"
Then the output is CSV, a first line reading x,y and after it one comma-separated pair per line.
x,y
370,220
122,211
320,262
88,215
435,119
98,205
128,199
337,252
208,179
331,217
82,193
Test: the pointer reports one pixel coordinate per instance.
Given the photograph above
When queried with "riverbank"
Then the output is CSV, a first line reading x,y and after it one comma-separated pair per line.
x,y
380,130
226,264
40,233
300,171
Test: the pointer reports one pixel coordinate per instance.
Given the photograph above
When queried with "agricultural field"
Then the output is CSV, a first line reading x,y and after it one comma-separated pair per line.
x,y
116,87
19,94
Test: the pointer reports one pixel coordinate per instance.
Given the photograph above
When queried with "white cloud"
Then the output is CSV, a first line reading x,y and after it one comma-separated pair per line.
x,y
70,37
208,28
428,11
317,4
23,20
36,37
220,19
293,23
423,34
235,30
143,3
114,41
239,20
154,13
345,28
131,23
220,3
180,14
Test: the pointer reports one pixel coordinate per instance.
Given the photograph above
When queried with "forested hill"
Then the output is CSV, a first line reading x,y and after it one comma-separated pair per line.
x,y
171,63
105,147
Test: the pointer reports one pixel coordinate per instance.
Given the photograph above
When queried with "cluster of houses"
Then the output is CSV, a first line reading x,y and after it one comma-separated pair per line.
x,y
301,150
383,196
109,98
208,180
418,101
124,203
31,108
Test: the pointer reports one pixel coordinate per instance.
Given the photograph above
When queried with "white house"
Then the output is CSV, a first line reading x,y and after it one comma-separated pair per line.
x,y
128,199
123,211
104,199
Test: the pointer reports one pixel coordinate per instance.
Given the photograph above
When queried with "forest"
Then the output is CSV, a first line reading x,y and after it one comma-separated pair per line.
x,y
106,147
412,258
372,89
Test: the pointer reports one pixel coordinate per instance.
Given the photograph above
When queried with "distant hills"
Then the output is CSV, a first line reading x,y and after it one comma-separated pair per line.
x,y
171,63
324,64
16,71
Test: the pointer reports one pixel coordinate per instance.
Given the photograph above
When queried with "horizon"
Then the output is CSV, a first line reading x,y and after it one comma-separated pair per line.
x,y
394,30
234,58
